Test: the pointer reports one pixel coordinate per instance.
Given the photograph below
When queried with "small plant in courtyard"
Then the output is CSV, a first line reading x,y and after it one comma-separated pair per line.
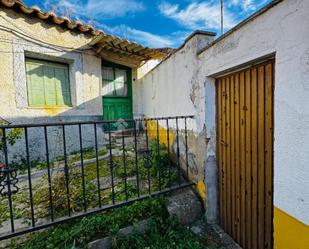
x,y
162,232
11,137
125,184
86,229
41,194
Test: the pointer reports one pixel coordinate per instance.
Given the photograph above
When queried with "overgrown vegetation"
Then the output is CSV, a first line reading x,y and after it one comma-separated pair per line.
x,y
38,164
160,173
162,232
79,233
11,137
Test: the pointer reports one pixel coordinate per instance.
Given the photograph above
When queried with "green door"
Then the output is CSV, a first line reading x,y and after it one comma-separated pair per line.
x,y
117,93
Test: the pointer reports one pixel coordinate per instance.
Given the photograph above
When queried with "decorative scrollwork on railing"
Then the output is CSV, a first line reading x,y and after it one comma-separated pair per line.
x,y
8,181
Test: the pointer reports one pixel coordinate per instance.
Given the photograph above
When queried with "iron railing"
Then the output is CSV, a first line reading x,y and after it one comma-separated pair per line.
x,y
121,167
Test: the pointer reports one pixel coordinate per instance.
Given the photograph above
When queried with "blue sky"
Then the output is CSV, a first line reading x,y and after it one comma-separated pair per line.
x,y
153,23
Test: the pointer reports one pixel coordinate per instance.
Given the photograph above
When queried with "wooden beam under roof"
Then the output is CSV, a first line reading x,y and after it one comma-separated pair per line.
x,y
125,47
128,53
120,59
138,48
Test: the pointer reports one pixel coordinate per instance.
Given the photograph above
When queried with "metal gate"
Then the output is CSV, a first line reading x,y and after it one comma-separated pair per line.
x,y
72,181
245,154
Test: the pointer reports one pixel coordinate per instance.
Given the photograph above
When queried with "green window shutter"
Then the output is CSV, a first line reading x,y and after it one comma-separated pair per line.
x,y
62,87
35,84
48,84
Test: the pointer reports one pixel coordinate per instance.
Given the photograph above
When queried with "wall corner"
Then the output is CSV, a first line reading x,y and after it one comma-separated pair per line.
x,y
203,39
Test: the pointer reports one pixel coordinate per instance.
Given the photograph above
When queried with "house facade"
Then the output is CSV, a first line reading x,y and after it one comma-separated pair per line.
x,y
83,57
57,70
247,90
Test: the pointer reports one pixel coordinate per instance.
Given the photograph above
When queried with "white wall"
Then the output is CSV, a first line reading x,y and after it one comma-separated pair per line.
x,y
184,84
171,88
282,30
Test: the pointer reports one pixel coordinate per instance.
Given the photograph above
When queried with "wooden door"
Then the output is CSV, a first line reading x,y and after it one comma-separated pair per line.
x,y
117,93
245,155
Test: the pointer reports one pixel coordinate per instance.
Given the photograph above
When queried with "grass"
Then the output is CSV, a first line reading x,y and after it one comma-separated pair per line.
x,y
122,190
162,232
37,164
88,228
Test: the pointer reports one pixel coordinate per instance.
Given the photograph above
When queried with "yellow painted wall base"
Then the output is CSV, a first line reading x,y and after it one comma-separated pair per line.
x,y
201,189
153,132
289,233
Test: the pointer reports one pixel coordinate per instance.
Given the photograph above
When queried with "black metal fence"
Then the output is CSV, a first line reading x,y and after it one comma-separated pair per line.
x,y
121,167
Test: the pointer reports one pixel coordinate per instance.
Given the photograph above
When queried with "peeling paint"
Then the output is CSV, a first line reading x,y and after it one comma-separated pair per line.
x,y
201,188
282,32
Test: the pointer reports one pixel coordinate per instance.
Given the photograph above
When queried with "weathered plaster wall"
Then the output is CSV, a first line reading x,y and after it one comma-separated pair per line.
x,y
138,98
163,86
146,68
171,89
283,31
22,36
185,84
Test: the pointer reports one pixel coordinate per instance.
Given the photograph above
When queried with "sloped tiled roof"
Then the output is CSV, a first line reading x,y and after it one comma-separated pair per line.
x,y
101,40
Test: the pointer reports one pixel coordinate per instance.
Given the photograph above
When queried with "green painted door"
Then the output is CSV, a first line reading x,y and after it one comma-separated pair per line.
x,y
117,93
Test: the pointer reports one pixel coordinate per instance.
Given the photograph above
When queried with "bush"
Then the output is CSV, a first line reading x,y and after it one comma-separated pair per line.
x,y
11,137
158,162
59,194
84,230
162,233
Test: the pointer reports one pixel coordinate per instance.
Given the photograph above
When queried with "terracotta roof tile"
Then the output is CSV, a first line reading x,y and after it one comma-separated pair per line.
x,y
101,40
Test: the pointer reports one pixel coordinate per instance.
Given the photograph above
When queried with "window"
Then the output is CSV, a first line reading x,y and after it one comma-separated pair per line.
x,y
114,82
48,84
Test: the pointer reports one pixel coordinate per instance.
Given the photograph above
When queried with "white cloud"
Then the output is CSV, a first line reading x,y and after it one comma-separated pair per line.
x,y
142,37
149,39
95,10
247,5
102,9
252,5
198,15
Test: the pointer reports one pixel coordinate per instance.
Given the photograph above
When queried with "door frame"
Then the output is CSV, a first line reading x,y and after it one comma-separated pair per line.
x,y
235,70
